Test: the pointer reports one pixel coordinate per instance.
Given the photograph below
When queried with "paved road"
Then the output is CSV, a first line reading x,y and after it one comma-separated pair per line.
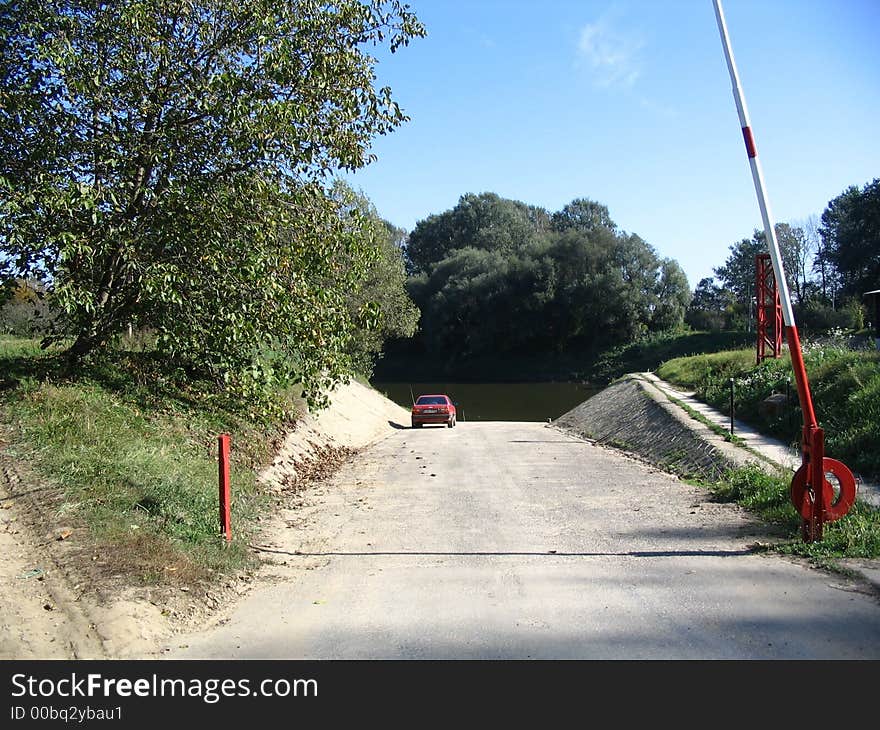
x,y
515,540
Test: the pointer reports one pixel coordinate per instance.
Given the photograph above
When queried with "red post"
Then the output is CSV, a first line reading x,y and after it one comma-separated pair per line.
x,y
223,458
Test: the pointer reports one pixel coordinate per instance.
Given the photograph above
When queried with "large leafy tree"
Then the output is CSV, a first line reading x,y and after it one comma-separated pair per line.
x,y
161,161
509,286
378,303
583,214
673,297
850,233
485,221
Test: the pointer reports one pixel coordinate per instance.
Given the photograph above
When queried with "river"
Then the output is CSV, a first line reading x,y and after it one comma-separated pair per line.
x,y
497,401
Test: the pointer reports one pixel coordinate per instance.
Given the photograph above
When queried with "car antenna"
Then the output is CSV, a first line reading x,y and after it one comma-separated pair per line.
x,y
411,395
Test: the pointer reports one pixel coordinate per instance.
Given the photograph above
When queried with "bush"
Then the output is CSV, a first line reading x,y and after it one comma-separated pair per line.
x,y
815,317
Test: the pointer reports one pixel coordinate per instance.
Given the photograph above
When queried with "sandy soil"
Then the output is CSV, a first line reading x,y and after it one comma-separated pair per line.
x,y
50,611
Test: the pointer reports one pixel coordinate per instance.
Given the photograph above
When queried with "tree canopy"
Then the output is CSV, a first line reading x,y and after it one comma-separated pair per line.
x,y
495,276
850,233
163,162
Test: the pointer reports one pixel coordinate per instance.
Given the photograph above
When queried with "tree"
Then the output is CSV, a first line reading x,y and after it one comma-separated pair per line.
x,y
850,234
737,274
583,214
673,297
710,307
378,303
485,221
161,161
827,282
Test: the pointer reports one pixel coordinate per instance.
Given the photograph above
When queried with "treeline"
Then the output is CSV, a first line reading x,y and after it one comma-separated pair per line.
x,y
494,276
829,264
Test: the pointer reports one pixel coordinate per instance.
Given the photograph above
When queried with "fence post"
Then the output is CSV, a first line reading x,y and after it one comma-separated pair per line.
x,y
223,459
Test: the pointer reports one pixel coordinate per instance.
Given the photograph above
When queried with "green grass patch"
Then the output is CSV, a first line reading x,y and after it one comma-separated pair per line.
x,y
844,383
133,456
651,351
855,535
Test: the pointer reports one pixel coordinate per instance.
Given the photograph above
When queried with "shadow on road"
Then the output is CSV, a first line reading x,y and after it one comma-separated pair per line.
x,y
546,554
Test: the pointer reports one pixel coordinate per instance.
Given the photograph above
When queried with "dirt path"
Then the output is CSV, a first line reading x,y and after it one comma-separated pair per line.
x,y
40,616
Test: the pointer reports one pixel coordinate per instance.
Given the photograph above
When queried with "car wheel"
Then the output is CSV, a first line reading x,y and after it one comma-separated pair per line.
x,y
451,423
417,425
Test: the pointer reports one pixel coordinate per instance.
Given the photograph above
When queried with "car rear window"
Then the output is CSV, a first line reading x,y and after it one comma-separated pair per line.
x,y
431,400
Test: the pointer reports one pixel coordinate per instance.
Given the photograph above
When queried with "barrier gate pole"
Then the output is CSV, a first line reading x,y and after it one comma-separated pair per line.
x,y
811,493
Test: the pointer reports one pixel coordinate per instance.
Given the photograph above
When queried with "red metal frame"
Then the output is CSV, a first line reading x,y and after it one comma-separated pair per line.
x,y
769,309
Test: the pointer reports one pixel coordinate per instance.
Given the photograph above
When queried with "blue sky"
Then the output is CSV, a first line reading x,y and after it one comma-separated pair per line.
x,y
629,102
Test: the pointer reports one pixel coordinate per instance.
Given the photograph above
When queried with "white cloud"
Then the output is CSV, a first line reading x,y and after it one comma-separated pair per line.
x,y
612,55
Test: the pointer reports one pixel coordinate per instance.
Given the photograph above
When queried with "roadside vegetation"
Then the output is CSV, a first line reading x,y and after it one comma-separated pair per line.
x,y
845,385
132,457
855,535
178,257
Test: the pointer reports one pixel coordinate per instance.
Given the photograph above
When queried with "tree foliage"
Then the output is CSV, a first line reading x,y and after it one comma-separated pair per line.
x,y
485,221
161,162
378,304
497,276
711,307
850,232
738,271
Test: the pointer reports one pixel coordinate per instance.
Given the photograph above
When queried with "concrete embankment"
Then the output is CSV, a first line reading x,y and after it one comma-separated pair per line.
x,y
634,415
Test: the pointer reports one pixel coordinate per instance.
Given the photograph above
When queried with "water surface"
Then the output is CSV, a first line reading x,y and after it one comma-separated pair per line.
x,y
497,401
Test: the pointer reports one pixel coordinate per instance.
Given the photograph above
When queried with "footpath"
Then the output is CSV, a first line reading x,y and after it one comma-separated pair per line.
x,y
786,456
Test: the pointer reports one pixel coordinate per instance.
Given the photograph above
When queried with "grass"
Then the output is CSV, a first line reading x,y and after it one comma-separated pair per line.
x,y
650,352
844,384
856,535
133,458
845,387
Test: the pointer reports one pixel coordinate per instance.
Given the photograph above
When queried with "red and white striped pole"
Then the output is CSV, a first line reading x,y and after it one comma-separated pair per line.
x,y
811,493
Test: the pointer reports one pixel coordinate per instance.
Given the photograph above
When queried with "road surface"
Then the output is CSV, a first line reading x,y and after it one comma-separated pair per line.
x,y
517,541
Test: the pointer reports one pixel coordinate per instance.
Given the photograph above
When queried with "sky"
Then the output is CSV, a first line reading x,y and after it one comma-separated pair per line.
x,y
629,103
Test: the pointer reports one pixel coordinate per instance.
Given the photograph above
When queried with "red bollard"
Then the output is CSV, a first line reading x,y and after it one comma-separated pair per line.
x,y
223,458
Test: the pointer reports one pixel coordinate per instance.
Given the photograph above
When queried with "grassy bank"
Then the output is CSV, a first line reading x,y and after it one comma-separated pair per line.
x,y
132,457
845,385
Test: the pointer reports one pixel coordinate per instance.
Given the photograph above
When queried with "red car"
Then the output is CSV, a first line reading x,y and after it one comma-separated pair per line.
x,y
437,409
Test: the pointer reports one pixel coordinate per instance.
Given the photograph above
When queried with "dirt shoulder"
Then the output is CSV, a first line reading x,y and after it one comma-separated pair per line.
x,y
59,598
